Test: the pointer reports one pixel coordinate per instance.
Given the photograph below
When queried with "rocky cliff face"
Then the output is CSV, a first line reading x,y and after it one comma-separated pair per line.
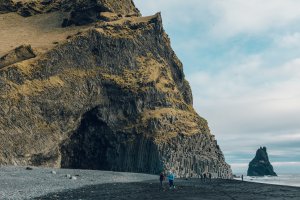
x,y
260,165
108,95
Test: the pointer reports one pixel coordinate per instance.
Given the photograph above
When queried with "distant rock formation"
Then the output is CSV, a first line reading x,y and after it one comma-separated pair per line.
x,y
260,165
109,95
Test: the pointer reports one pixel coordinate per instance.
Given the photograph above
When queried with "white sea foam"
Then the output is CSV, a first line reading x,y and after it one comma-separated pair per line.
x,y
286,179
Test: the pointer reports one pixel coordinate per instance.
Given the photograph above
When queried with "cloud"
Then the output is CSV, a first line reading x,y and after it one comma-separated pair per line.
x,y
227,17
255,16
249,105
280,164
291,40
243,63
250,97
238,165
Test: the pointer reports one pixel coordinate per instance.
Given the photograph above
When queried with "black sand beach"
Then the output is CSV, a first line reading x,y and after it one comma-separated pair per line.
x,y
185,189
17,183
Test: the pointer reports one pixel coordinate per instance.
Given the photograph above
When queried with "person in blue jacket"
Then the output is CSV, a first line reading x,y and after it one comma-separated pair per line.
x,y
171,178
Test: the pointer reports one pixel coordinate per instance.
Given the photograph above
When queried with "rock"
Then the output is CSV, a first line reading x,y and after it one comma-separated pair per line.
x,y
68,176
73,178
260,165
19,54
7,6
108,16
53,172
29,168
86,12
113,97
30,7
80,12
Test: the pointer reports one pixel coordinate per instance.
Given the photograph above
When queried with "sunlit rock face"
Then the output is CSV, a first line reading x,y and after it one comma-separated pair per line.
x,y
101,89
260,165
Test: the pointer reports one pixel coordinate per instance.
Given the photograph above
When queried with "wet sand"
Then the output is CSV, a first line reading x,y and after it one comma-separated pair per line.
x,y
185,189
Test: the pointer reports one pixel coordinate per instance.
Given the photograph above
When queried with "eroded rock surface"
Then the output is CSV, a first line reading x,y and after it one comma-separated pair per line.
x,y
260,165
80,12
19,54
113,96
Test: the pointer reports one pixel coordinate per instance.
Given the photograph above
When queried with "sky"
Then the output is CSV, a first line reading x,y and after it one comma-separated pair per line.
x,y
242,59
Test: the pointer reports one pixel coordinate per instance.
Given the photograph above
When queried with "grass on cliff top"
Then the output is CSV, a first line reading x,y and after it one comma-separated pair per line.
x,y
40,31
169,122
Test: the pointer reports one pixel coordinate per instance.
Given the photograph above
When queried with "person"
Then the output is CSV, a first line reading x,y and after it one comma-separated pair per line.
x,y
242,177
161,179
204,177
171,178
209,175
201,176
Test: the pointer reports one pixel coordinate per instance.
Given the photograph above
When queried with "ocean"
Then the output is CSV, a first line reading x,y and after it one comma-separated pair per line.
x,y
286,179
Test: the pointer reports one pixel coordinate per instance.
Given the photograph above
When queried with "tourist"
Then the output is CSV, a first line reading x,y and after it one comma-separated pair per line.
x,y
242,177
204,177
209,176
161,179
171,178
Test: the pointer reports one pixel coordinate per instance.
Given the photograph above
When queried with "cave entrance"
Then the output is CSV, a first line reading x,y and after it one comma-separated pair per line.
x,y
94,145
90,147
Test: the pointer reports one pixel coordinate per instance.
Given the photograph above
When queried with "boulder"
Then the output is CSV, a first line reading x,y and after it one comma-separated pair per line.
x,y
23,52
108,16
7,6
29,168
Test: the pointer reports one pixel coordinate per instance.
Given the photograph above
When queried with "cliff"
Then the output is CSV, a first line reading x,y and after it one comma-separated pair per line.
x,y
93,85
260,165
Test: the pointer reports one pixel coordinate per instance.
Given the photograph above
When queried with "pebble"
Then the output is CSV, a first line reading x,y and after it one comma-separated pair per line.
x,y
17,183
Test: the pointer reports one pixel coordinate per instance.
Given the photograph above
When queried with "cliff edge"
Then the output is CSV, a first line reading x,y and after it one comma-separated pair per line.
x,y
93,85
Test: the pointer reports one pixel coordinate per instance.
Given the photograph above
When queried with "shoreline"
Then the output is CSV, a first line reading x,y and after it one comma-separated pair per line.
x,y
192,189
263,183
292,180
17,183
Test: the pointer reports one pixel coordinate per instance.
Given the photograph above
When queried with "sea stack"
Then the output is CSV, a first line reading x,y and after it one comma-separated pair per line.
x,y
260,165
94,85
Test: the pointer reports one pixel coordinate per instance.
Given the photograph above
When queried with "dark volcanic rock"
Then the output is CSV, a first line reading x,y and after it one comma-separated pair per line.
x,y
80,12
85,12
260,165
7,6
21,53
111,97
